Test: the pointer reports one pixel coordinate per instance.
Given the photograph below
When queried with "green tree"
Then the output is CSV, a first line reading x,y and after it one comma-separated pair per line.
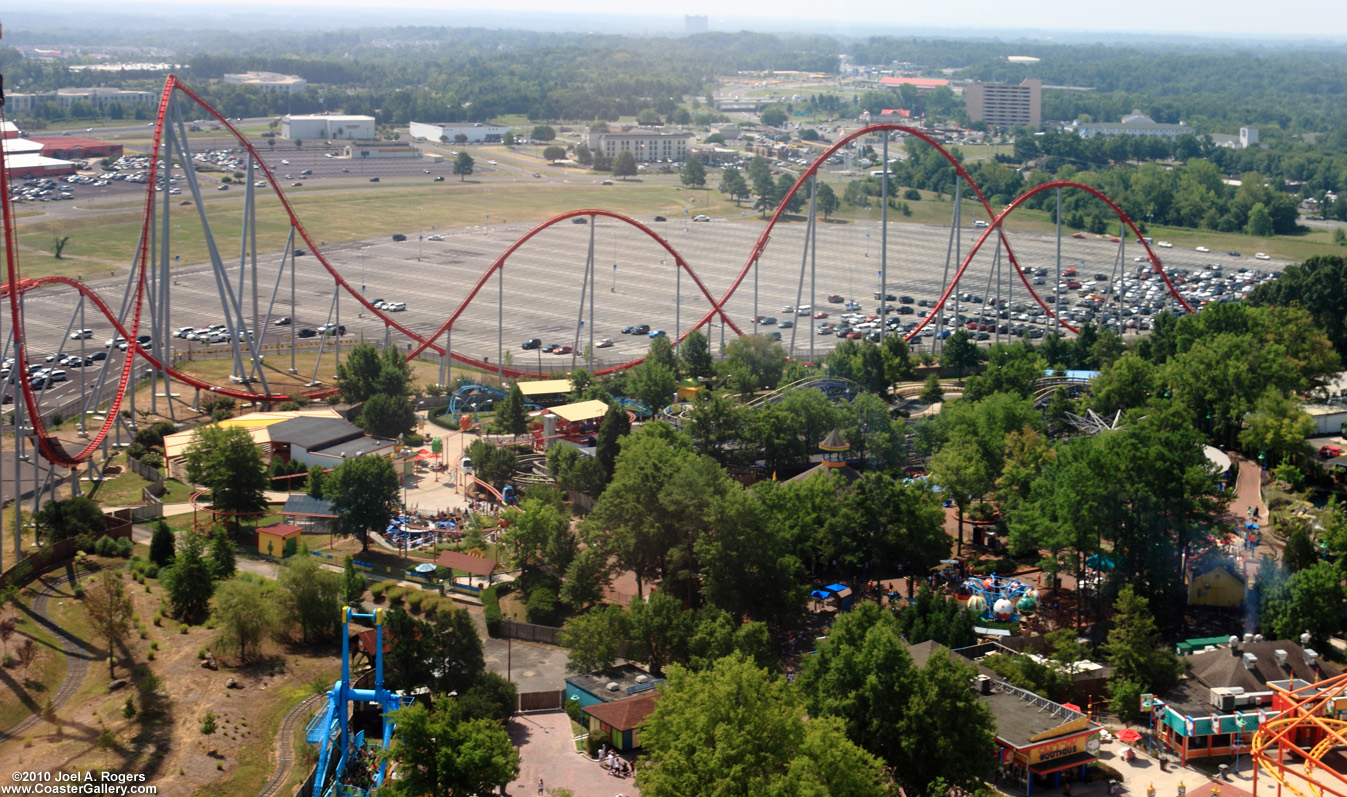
x,y
658,627
960,352
624,165
735,729
313,596
463,164
543,133
364,495
245,613
932,391
733,185
511,414
827,200
1133,648
1260,221
385,415
695,353
616,425
110,612
960,468
762,358
773,116
317,476
69,518
1279,426
228,463
594,638
438,751
222,554
189,581
1299,553
367,373
554,154
493,464
161,544
653,384
1309,600
353,584
693,173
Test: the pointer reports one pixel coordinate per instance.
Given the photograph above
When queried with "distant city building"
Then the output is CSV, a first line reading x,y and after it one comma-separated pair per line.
x,y
334,126
729,131
647,144
1135,123
1006,104
77,148
695,24
24,159
449,132
269,82
1248,137
921,84
137,67
99,98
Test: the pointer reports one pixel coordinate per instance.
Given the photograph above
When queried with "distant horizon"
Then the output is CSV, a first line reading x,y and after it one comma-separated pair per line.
x,y
1045,21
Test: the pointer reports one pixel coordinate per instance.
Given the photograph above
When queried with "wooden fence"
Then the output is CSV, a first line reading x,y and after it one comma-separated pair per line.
x,y
118,526
145,471
540,701
528,632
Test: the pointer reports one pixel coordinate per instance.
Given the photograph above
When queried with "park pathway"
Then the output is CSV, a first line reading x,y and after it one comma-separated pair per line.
x,y
77,656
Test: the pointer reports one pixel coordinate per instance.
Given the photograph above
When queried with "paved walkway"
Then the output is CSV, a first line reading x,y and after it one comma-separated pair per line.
x,y
546,751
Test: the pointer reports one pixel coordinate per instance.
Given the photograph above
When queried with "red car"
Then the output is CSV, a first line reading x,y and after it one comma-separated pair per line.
x,y
1329,452
835,298
1114,239
562,350
1078,235
821,314
1073,284
1069,271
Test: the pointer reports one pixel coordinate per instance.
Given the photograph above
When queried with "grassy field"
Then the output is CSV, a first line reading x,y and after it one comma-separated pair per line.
x,y
105,243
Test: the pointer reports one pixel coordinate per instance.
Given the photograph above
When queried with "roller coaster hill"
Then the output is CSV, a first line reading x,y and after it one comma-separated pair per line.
x,y
251,298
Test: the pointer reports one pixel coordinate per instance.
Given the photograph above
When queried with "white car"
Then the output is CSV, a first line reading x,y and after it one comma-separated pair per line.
x,y
181,332
82,334
395,307
1261,256
1165,244
1203,249
436,237
285,163
492,163
605,343
701,218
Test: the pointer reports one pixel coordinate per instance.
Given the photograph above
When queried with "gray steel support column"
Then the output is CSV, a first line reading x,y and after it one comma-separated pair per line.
x,y
1057,288
884,238
799,292
584,289
949,253
336,339
1010,280
593,288
322,339
294,321
958,240
813,260
84,402
500,323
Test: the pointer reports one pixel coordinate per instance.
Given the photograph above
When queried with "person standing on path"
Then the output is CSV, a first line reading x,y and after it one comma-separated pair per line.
x,y
540,787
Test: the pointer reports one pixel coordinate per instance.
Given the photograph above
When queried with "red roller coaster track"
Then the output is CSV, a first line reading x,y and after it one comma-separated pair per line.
x,y
16,286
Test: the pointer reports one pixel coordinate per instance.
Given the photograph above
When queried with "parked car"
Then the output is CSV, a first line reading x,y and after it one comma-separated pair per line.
x,y
579,220
531,344
307,332
82,334
283,321
1261,256
660,218
562,350
835,298
641,329
701,218
656,333
372,179
397,236
603,344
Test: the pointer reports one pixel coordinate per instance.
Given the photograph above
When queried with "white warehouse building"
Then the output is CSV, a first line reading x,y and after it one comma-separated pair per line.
x,y
472,132
327,126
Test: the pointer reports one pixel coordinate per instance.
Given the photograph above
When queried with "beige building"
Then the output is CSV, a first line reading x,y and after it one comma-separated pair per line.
x,y
99,97
1006,104
647,144
269,82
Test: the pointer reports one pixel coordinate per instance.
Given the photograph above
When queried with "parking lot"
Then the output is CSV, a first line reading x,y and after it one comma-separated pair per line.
x,y
539,292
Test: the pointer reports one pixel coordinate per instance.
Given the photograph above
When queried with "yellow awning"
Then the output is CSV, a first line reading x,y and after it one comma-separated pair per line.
x,y
581,411
545,387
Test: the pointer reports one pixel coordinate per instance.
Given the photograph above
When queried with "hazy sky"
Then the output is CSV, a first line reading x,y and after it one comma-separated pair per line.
x,y
1316,18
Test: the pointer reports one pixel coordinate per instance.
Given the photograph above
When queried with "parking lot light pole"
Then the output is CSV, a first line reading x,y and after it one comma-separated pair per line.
x,y
420,232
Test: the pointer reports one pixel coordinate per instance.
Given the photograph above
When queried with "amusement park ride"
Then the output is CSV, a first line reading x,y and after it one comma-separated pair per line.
x,y
250,294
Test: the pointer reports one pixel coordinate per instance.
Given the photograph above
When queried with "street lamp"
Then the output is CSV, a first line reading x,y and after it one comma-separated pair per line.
x,y
420,233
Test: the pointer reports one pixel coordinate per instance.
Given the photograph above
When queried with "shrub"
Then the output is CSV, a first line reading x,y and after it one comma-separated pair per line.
x,y
78,591
396,595
106,546
182,628
430,604
377,590
542,605
414,600
208,723
201,653
9,662
573,710
491,609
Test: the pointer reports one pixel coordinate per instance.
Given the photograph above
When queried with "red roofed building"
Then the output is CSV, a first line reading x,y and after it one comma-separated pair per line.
x,y
67,148
619,721
901,113
919,83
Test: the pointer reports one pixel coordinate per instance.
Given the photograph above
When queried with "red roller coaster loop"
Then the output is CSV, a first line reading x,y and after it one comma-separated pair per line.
x,y
54,452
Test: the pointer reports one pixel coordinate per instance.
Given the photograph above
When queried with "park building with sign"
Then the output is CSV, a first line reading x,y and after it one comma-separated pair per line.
x,y
1040,744
1228,693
